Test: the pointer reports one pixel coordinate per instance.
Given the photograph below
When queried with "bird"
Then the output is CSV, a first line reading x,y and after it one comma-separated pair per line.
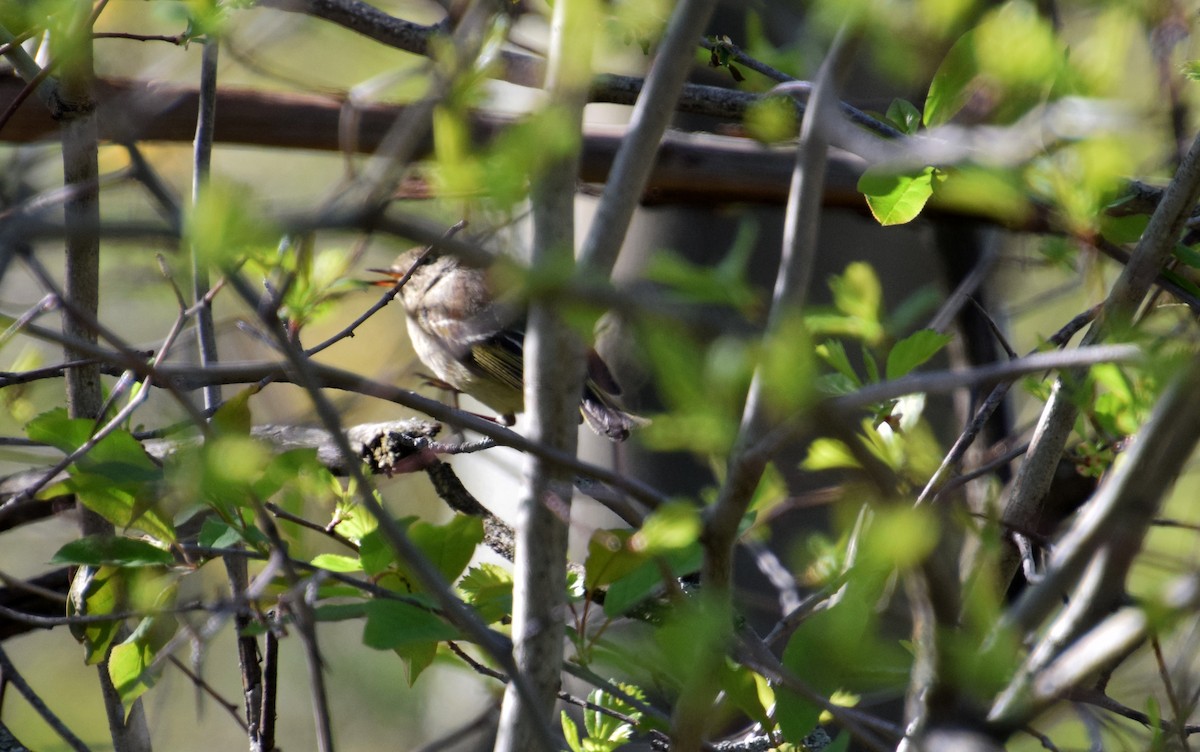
x,y
474,342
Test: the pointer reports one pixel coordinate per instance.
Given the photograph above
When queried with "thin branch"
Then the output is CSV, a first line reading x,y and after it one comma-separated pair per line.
x,y
937,481
380,304
431,580
739,55
9,673
1093,556
631,169
746,465
553,375
1058,417
208,689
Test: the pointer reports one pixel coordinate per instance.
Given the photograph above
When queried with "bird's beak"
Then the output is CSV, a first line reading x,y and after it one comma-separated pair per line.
x,y
390,277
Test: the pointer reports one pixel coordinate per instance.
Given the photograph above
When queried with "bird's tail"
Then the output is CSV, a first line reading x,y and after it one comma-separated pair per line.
x,y
599,405
605,416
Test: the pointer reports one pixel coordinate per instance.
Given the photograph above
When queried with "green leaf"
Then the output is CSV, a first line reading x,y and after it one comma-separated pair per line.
x,y
216,534
340,611
488,588
338,563
375,553
787,364
1123,230
448,547
828,454
896,198
771,120
96,592
950,88
118,457
644,581
610,557
914,350
901,537
129,664
56,429
987,192
125,505
843,648
741,686
858,293
391,624
571,733
673,526
233,416
904,115
226,223
607,732
417,657
95,550
833,352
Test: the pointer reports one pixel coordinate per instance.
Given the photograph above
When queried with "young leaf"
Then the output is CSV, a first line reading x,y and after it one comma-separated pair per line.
x,y
488,588
641,583
904,115
896,198
571,733
338,563
950,88
914,350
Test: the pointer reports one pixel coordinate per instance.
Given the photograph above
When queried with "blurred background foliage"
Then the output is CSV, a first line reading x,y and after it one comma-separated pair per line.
x,y
1083,96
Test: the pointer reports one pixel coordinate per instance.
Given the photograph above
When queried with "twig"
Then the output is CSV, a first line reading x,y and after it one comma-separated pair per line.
x,y
631,169
985,410
9,673
306,373
739,55
553,380
383,301
196,679
1102,544
1177,709
1058,417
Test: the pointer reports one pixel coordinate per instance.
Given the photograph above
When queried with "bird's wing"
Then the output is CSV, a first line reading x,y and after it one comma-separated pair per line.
x,y
501,356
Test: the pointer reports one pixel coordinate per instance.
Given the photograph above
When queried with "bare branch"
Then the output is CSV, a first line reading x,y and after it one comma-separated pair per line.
x,y
9,673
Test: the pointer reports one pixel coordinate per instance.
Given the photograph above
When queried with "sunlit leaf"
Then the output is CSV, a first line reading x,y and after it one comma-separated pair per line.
x,y
1015,45
772,120
227,223
610,557
337,563
895,199
96,591
828,454
129,663
951,85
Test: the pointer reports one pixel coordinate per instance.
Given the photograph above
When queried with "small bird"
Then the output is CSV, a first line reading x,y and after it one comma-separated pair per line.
x,y
474,343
